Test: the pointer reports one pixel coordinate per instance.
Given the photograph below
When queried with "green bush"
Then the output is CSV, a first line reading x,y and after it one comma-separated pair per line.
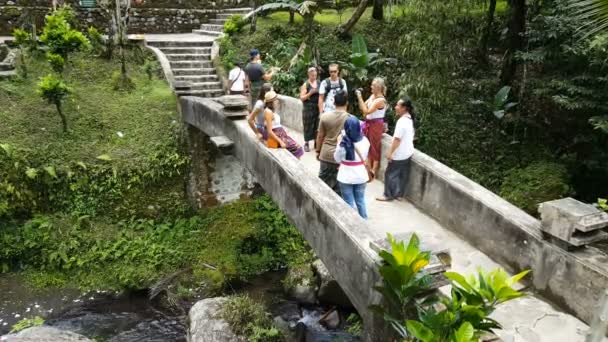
x,y
234,25
56,61
54,91
122,82
96,39
536,183
60,38
249,319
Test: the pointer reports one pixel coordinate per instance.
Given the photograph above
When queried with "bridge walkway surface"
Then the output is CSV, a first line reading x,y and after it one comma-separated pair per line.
x,y
529,319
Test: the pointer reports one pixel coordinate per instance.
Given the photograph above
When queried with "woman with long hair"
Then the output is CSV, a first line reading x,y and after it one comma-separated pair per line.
x,y
276,132
256,117
351,153
373,110
309,95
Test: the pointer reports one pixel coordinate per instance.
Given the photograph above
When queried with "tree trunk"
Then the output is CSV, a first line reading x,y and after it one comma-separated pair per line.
x,y
345,29
64,122
515,40
254,17
485,36
292,15
378,11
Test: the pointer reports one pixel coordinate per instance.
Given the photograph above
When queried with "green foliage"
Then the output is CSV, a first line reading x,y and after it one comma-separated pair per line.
x,y
249,319
59,36
122,82
501,104
463,318
602,203
27,323
96,39
402,281
53,89
56,62
536,183
354,324
22,37
234,24
152,68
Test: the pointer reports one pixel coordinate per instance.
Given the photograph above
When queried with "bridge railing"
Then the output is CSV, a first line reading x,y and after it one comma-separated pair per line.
x,y
573,280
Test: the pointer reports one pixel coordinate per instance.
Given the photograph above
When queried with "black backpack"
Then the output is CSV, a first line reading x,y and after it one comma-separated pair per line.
x,y
327,84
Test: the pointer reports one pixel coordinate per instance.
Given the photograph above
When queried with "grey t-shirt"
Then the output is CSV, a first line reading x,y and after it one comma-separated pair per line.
x,y
255,72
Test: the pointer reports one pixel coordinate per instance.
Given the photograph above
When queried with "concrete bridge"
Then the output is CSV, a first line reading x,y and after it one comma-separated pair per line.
x,y
444,208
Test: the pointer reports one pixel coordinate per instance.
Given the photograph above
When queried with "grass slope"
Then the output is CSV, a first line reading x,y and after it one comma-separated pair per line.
x,y
95,112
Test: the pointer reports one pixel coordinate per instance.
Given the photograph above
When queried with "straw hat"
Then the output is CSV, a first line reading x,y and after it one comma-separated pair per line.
x,y
270,96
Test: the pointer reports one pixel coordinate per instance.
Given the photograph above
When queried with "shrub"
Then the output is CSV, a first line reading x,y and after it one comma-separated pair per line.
x,y
54,90
536,183
249,319
60,38
56,61
122,82
96,40
234,25
151,67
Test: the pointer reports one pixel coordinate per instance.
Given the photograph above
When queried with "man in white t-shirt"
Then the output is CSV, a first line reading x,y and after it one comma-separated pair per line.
x,y
400,152
328,88
236,80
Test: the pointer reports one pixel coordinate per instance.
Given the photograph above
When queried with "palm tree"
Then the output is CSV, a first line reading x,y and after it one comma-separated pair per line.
x,y
593,15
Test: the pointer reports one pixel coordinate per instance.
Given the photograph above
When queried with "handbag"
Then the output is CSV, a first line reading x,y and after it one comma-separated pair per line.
x,y
272,142
370,174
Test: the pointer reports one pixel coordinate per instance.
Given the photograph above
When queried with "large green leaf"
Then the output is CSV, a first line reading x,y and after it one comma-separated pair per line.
x,y
501,97
420,331
359,56
592,14
514,279
465,333
459,279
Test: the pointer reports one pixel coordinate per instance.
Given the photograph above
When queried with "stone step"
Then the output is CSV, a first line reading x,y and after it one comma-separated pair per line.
x,y
191,64
180,43
218,21
186,50
7,74
206,85
201,93
197,78
6,66
238,10
212,27
194,72
188,57
207,33
224,15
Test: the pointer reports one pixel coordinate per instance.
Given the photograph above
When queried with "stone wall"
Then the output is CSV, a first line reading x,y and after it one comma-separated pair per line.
x,y
152,16
573,280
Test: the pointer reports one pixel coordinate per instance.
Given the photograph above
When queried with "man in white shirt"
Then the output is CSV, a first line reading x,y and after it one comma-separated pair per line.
x,y
328,89
236,80
400,152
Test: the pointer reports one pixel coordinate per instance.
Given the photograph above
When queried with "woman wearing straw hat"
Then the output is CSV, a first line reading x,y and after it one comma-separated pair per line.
x,y
277,136
309,95
256,117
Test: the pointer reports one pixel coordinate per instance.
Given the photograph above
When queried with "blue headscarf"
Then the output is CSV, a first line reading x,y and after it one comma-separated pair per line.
x,y
352,135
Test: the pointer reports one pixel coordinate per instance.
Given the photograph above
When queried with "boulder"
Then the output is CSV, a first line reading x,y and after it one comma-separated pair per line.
x,y
300,284
3,52
206,324
43,333
330,292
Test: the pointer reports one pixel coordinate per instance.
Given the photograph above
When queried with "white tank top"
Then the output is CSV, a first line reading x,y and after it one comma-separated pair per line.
x,y
276,120
379,113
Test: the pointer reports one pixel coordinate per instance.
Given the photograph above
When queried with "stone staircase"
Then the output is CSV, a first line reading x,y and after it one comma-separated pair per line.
x,y
215,27
193,71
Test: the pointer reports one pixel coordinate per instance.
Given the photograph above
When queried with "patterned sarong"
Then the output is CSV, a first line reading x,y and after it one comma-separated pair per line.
x,y
292,145
373,132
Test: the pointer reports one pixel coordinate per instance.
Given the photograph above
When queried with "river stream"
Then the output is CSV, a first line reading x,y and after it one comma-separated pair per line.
x,y
131,317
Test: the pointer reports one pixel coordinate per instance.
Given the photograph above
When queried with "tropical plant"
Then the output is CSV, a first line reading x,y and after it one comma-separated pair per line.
x,y
54,90
593,16
602,203
402,281
466,314
501,104
22,39
234,24
361,61
60,38
307,9
96,39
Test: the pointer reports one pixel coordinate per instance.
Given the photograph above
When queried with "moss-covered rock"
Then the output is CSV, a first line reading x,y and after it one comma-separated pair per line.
x,y
536,183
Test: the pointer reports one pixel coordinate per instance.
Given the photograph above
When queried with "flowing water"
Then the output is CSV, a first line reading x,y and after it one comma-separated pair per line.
x,y
133,317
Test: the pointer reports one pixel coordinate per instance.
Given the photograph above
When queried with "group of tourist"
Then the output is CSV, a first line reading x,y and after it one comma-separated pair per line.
x,y
348,149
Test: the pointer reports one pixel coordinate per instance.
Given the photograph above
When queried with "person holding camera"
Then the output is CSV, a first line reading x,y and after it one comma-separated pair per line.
x,y
309,95
373,110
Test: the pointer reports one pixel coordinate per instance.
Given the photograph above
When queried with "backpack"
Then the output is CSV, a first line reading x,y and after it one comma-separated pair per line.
x,y
327,84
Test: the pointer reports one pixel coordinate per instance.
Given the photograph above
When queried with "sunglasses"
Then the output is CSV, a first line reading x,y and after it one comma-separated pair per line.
x,y
333,71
